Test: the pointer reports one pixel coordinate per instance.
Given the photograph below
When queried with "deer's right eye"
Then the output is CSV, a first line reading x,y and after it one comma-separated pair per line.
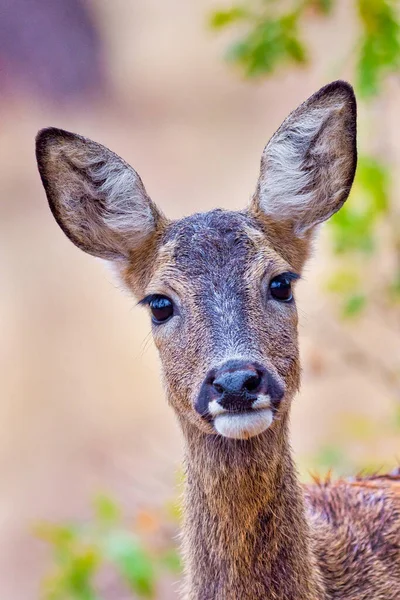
x,y
161,308
281,286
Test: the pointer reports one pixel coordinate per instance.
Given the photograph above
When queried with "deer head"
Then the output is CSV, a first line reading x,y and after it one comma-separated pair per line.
x,y
219,285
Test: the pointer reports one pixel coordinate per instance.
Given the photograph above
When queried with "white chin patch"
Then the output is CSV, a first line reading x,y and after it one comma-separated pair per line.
x,y
245,425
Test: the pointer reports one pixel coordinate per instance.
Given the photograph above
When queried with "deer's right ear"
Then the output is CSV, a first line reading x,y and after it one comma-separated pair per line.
x,y
308,166
98,200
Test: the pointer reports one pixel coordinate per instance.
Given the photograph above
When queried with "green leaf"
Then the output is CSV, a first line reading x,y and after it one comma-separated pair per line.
x,y
354,227
74,577
354,305
222,18
271,42
344,281
81,572
132,561
172,561
55,534
106,510
323,6
380,44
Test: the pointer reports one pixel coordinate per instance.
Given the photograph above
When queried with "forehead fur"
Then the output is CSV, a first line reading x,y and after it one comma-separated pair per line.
x,y
211,243
219,239
209,240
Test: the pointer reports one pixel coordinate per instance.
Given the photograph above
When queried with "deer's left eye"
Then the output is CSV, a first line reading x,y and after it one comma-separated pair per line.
x,y
281,287
161,308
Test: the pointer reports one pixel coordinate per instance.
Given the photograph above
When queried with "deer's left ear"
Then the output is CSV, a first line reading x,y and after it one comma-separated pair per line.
x,y
308,166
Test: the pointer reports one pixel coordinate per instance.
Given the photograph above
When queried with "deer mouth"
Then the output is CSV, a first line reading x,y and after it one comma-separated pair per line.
x,y
243,424
239,398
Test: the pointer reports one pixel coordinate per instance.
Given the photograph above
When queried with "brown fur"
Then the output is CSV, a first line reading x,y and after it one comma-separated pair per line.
x,y
251,532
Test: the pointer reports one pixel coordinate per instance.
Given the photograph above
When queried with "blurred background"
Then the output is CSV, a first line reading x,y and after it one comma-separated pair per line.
x,y
188,93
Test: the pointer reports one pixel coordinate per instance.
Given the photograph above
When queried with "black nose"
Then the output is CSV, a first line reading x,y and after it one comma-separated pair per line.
x,y
237,381
236,385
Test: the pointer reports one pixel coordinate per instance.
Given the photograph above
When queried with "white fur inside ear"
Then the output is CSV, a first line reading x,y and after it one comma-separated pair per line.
x,y
307,167
116,184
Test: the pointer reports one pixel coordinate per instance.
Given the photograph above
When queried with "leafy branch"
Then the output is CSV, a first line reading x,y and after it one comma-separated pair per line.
x,y
270,35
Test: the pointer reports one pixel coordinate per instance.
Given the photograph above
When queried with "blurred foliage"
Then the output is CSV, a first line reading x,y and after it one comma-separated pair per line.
x,y
354,225
355,231
81,552
354,431
379,44
269,41
271,35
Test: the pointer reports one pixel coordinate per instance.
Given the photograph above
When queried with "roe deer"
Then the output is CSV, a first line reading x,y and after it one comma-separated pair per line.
x,y
219,286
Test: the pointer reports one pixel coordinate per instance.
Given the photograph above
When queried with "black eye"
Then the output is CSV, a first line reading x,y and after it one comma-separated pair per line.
x,y
161,308
281,288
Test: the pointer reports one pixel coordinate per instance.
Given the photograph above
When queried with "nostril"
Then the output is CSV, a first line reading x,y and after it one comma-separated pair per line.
x,y
237,382
218,388
252,382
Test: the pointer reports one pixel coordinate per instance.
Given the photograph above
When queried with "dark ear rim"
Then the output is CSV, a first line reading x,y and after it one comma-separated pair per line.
x,y
44,138
346,88
340,88
329,90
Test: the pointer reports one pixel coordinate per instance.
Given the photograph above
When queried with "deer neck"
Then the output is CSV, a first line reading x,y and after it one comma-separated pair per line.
x,y
245,534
